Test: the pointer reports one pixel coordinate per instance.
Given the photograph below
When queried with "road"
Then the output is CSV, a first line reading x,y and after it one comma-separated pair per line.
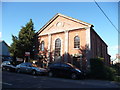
x,y
16,80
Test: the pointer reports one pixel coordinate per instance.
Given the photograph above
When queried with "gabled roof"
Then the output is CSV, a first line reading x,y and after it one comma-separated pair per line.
x,y
2,41
58,14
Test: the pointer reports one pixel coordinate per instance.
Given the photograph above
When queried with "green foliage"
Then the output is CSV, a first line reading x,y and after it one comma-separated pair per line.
x,y
109,73
117,68
100,71
24,42
14,46
97,67
117,78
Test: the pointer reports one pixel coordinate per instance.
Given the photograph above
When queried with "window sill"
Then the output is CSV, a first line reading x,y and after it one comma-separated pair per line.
x,y
76,48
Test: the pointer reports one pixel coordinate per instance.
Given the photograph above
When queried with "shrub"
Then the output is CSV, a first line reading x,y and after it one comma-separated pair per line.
x,y
117,68
117,78
97,67
100,71
109,73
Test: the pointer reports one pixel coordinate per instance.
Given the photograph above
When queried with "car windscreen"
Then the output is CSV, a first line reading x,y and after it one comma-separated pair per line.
x,y
7,62
55,65
34,65
71,65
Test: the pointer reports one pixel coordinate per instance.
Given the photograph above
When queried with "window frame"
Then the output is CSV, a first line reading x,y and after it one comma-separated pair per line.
x,y
76,42
58,47
42,47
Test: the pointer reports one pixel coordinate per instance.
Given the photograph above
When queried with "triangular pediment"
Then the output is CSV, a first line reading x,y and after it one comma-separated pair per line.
x,y
61,23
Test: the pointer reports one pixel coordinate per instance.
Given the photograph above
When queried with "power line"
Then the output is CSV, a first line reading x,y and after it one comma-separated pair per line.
x,y
107,16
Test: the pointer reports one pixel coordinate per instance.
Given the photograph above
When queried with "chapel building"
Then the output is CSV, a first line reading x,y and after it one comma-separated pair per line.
x,y
65,39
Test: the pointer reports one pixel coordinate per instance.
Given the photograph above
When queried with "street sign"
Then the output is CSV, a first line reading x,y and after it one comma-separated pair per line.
x,y
27,53
19,59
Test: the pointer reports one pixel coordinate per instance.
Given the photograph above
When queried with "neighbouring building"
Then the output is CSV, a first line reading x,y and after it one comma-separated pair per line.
x,y
65,39
117,59
4,50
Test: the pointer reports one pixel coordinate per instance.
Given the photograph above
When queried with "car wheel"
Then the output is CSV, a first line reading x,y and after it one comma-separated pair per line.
x,y
50,74
3,69
8,69
74,76
33,72
18,70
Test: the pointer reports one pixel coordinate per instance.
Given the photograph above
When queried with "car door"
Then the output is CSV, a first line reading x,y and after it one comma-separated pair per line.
x,y
6,64
29,68
65,69
23,67
56,68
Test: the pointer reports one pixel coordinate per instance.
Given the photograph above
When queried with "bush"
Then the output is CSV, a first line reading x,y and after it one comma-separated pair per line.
x,y
117,68
109,73
100,71
117,78
97,67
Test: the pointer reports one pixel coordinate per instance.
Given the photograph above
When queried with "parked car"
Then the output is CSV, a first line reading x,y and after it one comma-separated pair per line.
x,y
64,70
30,68
7,65
7,58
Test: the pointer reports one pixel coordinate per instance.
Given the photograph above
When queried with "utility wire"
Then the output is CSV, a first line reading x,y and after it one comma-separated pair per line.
x,y
107,16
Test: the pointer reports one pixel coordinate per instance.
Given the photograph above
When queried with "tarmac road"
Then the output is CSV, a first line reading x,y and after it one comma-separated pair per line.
x,y
16,80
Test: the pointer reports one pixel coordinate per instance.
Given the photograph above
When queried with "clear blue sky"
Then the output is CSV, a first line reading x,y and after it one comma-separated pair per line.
x,y
15,15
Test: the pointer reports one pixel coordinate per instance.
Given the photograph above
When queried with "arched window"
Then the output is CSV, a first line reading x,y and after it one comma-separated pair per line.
x,y
57,47
76,42
42,45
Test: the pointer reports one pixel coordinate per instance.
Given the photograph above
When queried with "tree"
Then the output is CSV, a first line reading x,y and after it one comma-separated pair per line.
x,y
116,66
14,47
25,41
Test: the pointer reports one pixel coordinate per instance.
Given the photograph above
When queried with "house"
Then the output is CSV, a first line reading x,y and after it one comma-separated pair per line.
x,y
117,59
65,39
4,50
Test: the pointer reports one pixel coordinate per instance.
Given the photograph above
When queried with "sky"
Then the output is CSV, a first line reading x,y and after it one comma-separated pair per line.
x,y
17,14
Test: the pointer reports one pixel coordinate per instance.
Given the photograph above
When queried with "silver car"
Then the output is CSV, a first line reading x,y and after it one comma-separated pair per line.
x,y
7,65
30,68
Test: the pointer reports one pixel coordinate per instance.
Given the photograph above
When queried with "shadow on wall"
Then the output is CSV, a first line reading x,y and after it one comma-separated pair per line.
x,y
46,57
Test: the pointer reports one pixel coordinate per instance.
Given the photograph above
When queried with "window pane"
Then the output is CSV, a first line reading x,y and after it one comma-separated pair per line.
x,y
76,42
42,46
57,47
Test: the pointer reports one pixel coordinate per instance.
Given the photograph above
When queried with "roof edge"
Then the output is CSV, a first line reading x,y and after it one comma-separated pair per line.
x,y
59,14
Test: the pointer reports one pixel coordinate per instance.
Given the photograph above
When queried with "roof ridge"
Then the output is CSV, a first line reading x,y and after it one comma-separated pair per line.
x,y
72,18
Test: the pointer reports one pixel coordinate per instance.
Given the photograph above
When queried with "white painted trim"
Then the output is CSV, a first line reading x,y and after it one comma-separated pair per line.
x,y
88,38
59,14
79,21
76,48
49,42
62,31
76,34
61,43
49,46
42,39
66,42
